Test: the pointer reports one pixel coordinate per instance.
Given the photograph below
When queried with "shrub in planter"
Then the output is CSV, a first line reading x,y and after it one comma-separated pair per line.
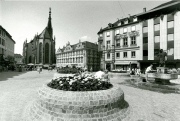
x,y
81,82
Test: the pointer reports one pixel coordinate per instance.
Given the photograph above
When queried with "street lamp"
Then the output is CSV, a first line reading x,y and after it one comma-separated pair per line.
x,y
113,59
104,56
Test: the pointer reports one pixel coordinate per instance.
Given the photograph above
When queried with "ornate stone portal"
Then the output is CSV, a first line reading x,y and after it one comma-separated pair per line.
x,y
58,105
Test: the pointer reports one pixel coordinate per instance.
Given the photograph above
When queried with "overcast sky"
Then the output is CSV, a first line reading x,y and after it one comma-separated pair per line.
x,y
71,20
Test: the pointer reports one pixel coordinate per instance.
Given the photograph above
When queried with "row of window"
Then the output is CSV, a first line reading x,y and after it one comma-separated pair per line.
x,y
2,33
170,37
117,32
125,42
125,55
71,54
2,41
73,60
170,51
170,24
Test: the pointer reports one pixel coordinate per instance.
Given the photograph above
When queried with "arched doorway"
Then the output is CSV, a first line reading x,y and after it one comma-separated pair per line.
x,y
46,53
108,66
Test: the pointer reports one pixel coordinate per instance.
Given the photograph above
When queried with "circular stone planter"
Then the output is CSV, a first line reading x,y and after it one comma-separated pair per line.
x,y
58,105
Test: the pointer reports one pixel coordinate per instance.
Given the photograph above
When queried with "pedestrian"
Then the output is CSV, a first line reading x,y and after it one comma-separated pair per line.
x,y
148,70
138,71
106,76
91,69
38,69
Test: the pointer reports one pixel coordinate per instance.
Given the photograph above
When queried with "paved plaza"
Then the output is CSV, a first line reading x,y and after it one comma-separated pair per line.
x,y
18,89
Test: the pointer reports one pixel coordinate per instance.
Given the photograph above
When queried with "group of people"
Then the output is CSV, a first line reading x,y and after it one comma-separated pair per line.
x,y
135,71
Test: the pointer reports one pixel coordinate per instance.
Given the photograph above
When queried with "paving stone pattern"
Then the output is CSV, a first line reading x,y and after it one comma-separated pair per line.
x,y
18,91
57,105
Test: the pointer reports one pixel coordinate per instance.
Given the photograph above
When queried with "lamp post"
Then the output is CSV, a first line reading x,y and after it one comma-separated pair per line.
x,y
104,56
113,59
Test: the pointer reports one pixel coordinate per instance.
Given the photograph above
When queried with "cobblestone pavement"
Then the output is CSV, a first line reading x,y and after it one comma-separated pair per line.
x,y
20,89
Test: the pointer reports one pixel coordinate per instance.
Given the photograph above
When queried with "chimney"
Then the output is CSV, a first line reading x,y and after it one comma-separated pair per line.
x,y
144,10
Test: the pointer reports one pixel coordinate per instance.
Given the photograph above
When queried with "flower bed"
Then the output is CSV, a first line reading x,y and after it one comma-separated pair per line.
x,y
66,70
83,82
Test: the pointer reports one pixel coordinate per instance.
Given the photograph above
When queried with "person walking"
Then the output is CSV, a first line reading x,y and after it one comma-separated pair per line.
x,y
39,69
106,76
148,70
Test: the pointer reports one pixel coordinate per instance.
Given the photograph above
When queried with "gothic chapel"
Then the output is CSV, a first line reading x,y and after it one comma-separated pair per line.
x,y
41,49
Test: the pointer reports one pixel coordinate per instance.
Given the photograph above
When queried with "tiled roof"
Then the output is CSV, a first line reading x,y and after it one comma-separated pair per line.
x,y
7,33
44,33
115,24
85,43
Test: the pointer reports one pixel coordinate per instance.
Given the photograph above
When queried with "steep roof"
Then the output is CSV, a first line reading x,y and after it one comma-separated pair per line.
x,y
115,24
44,34
7,33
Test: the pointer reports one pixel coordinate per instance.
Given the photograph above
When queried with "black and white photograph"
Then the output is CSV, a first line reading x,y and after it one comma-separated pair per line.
x,y
97,60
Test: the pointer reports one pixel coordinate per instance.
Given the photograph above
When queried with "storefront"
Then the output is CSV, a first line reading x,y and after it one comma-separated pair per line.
x,y
126,65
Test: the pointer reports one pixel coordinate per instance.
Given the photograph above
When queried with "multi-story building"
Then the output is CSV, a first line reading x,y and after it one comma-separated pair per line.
x,y
18,58
82,54
6,46
41,50
161,30
136,40
121,44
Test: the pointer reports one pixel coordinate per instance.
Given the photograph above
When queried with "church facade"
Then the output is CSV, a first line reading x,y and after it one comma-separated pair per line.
x,y
41,49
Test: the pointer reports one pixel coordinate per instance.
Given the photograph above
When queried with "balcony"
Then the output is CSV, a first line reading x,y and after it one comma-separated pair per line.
x,y
124,35
133,45
133,33
117,36
100,39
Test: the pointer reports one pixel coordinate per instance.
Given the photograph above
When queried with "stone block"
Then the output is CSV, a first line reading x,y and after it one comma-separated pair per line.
x,y
57,105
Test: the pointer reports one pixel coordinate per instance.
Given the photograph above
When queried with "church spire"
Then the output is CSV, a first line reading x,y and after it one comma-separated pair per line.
x,y
49,21
49,26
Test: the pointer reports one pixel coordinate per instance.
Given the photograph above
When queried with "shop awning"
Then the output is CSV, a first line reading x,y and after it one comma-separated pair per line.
x,y
125,62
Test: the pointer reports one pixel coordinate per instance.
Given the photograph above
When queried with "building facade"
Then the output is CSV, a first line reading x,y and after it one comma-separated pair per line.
x,y
41,49
82,54
136,40
18,58
121,44
161,30
6,47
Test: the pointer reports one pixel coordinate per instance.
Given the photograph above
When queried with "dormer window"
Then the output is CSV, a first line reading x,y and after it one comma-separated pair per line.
x,y
117,32
126,21
134,19
110,25
119,24
125,30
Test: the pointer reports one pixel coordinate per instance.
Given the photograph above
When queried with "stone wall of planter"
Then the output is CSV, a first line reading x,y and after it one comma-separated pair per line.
x,y
57,105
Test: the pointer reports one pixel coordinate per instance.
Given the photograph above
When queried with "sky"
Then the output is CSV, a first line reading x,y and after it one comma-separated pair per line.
x,y
71,20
